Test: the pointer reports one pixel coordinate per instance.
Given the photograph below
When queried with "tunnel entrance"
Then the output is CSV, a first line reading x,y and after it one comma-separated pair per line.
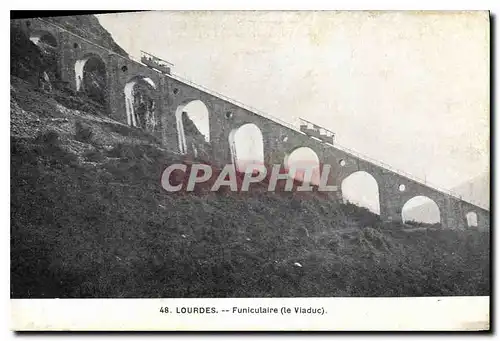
x,y
303,165
421,209
91,78
193,125
140,102
247,147
361,189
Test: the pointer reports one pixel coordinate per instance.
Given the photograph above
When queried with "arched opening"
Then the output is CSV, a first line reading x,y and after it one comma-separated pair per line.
x,y
140,102
43,39
421,209
303,165
91,78
193,125
471,219
247,147
361,189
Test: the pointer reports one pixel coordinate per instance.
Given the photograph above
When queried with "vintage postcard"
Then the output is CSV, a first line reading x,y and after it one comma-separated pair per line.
x,y
250,170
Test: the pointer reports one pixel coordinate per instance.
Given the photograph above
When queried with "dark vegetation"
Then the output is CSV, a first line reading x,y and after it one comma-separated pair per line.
x,y
88,26
112,231
94,80
26,60
96,222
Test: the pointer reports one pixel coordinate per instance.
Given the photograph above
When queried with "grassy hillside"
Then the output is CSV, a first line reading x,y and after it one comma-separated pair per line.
x,y
89,218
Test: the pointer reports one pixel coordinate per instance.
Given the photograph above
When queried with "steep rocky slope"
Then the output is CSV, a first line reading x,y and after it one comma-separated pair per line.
x,y
88,26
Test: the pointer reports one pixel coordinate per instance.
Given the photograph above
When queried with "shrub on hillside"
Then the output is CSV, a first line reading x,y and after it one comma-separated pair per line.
x,y
361,214
49,137
124,150
26,59
134,151
119,235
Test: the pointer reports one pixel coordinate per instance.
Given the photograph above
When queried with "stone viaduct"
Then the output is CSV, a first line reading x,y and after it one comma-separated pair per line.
x,y
225,116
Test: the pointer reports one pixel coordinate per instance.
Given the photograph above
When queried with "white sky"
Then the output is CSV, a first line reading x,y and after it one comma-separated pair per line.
x,y
410,90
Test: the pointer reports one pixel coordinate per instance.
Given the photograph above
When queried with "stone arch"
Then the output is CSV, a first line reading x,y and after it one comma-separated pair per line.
x,y
44,39
471,219
247,147
361,189
192,119
304,163
421,209
91,77
140,102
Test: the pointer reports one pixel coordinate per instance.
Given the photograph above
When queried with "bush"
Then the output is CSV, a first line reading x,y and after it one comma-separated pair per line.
x,y
94,156
132,151
50,138
83,132
112,232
